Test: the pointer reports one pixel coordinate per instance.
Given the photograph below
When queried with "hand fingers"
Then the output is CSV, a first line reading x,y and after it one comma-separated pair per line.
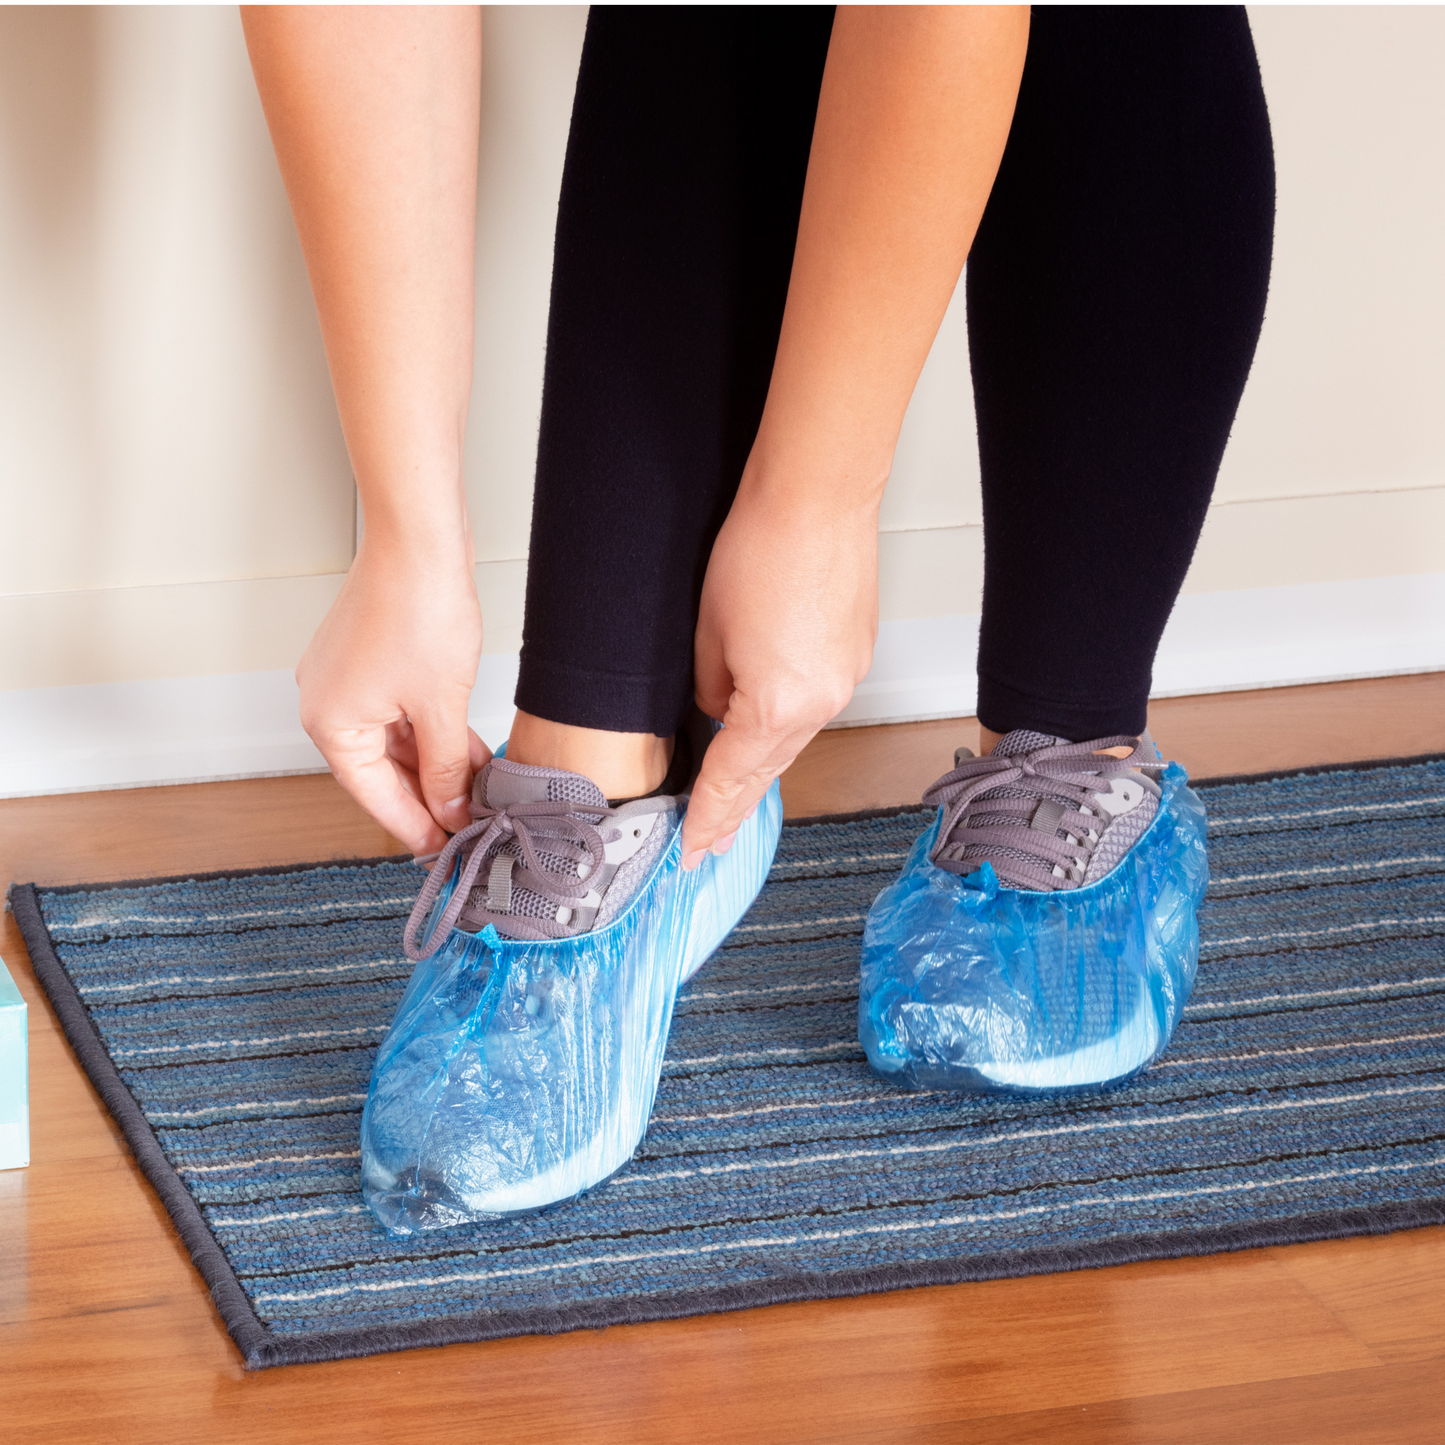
x,y
401,746
737,770
758,743
712,679
401,750
443,744
383,786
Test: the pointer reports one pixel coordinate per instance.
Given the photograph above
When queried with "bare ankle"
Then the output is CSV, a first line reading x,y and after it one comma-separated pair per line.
x,y
988,740
623,765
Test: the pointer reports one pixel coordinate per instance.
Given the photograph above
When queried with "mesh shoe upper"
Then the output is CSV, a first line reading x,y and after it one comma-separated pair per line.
x,y
1046,813
546,857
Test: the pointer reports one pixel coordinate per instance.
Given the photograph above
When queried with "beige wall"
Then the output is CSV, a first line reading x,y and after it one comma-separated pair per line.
x,y
174,493
164,405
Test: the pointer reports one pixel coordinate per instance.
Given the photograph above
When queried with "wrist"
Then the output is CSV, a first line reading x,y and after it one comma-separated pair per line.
x,y
842,478
432,541
838,496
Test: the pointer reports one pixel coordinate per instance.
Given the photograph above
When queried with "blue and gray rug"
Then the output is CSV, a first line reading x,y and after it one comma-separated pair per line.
x,y
230,1023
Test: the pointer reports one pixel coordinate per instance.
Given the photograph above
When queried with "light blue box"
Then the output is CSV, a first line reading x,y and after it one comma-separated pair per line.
x,y
14,1076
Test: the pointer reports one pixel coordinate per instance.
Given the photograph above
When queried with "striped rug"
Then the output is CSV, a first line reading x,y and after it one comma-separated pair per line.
x,y
230,1023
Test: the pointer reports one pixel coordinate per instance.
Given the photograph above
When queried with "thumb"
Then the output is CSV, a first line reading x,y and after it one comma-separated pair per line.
x,y
444,764
478,753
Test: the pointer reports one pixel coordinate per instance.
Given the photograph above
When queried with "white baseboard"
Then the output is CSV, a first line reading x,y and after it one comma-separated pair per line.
x,y
176,730
1313,632
182,730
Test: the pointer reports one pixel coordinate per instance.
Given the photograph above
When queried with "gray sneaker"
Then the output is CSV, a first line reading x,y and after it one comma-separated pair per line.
x,y
1061,953
532,869
1046,813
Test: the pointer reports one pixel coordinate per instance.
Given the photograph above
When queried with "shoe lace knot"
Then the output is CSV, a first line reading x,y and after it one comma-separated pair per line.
x,y
558,845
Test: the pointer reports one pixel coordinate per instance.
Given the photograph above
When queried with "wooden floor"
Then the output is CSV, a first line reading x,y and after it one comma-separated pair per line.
x,y
107,1334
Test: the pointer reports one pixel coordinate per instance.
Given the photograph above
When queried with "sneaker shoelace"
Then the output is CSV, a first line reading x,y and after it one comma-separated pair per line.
x,y
558,872
1038,816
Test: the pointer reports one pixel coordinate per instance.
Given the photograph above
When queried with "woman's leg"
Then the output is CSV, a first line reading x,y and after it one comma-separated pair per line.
x,y
675,232
1115,294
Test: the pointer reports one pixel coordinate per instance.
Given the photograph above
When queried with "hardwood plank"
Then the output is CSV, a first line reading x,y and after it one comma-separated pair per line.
x,y
1387,1290
849,769
1296,727
1394,1405
806,1372
201,827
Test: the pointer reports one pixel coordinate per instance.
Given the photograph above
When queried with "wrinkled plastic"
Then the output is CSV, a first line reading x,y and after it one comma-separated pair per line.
x,y
519,1073
973,987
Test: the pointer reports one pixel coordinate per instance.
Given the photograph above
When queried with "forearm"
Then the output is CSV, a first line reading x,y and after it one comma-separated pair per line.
x,y
374,113
914,113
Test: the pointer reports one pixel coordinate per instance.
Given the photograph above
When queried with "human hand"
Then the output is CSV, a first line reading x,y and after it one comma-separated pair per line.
x,y
786,630
384,689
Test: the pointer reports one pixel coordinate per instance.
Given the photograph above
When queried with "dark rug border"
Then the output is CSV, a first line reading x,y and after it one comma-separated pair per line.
x,y
262,1348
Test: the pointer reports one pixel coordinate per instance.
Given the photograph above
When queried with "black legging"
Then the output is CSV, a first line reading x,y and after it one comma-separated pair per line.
x,y
1115,293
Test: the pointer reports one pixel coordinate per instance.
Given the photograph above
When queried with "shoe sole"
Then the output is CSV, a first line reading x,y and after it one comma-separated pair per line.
x,y
1095,1066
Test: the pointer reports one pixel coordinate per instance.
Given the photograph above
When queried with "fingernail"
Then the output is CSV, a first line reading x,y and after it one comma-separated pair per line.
x,y
723,844
752,810
691,860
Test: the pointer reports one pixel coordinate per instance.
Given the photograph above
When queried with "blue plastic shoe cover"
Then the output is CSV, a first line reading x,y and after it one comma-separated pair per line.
x,y
519,1073
974,987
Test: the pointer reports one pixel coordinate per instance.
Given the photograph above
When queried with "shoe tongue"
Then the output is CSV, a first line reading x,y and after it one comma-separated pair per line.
x,y
503,782
1024,740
